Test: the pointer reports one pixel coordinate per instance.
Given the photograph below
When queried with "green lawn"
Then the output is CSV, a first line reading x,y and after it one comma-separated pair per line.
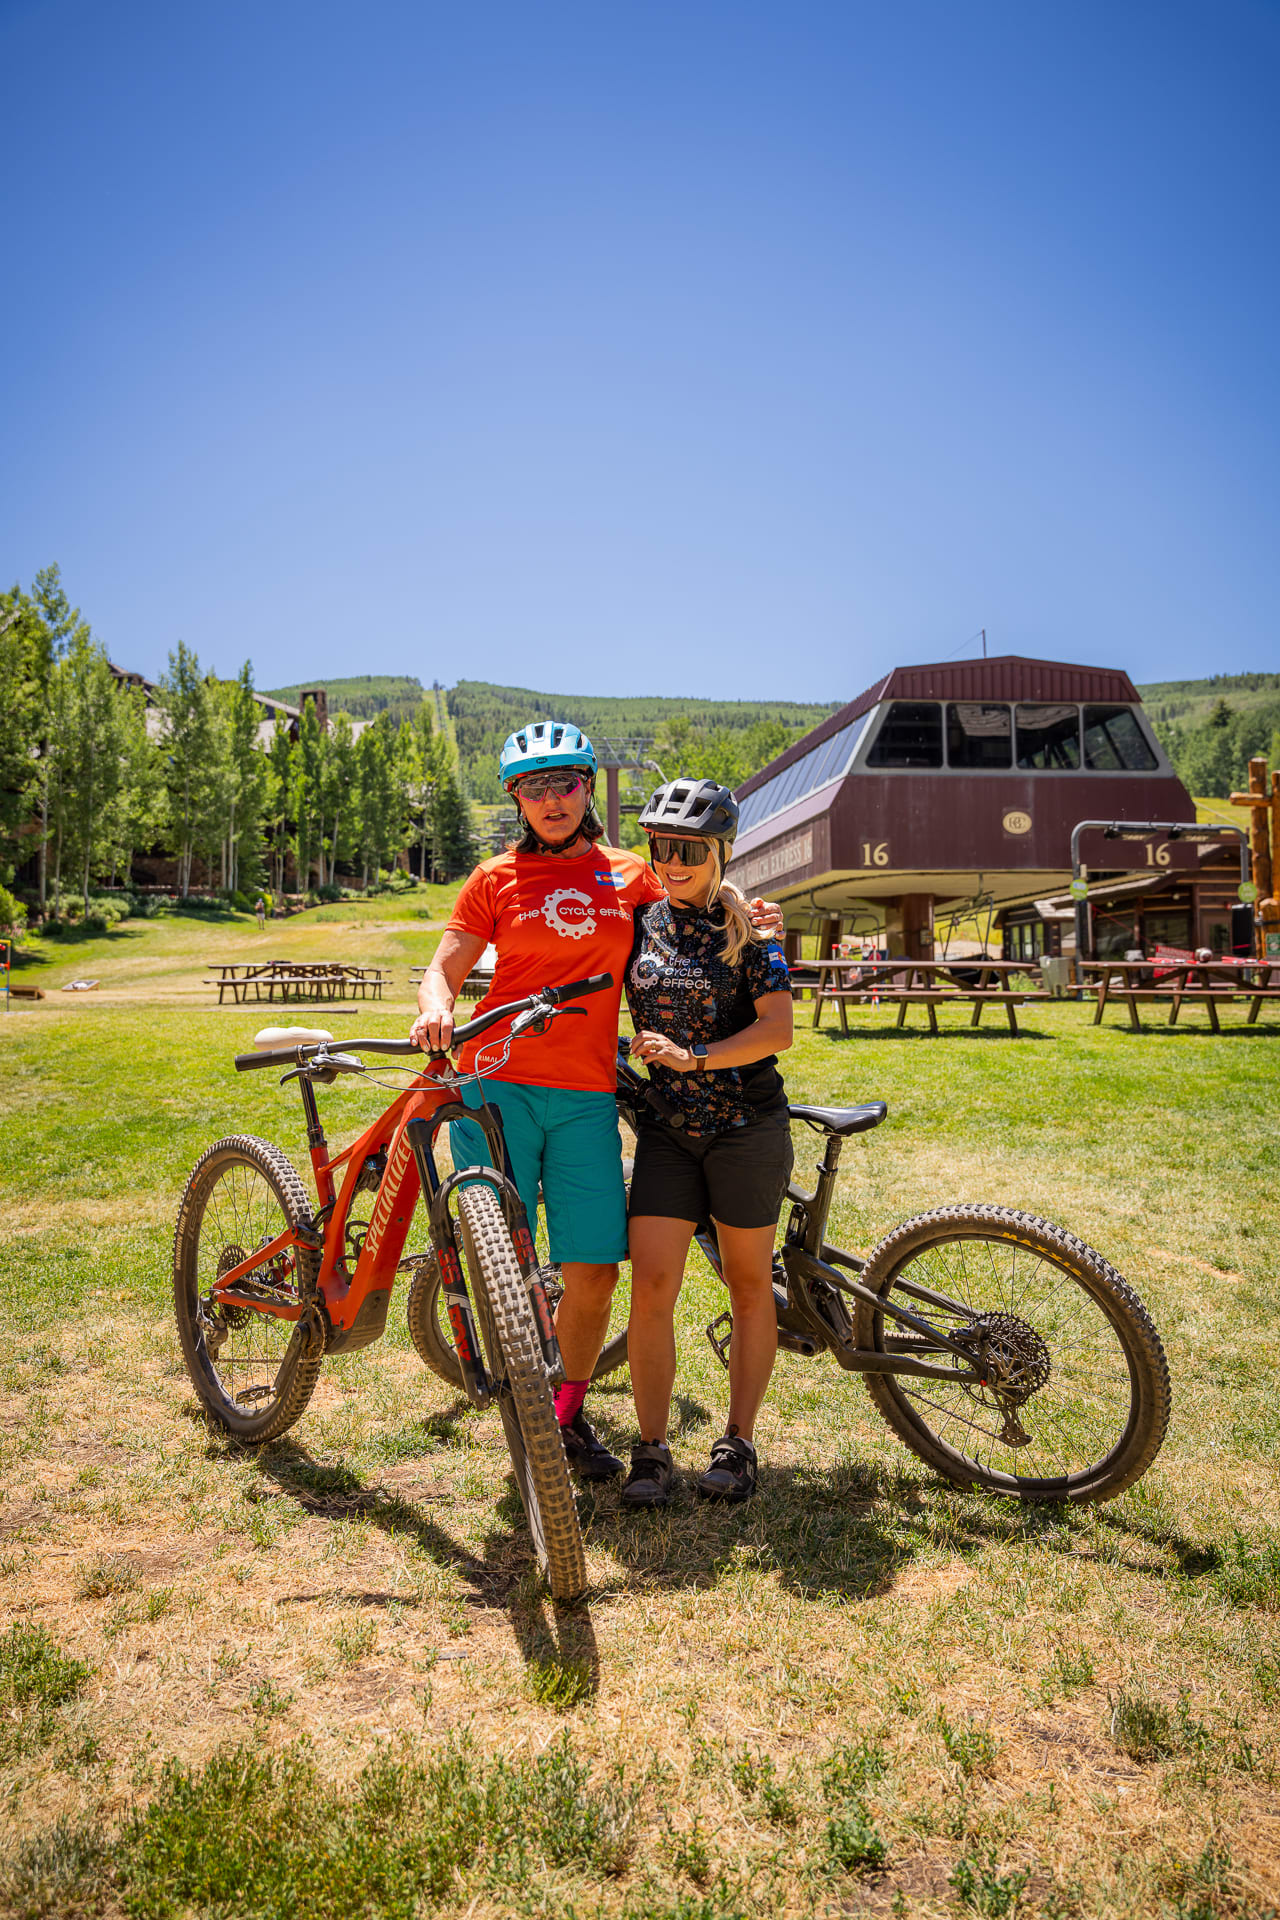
x,y
325,1679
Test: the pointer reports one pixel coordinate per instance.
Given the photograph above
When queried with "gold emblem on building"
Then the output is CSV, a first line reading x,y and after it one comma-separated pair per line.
x,y
1015,821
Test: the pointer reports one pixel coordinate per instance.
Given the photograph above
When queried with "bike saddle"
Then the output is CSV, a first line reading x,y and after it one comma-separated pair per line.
x,y
842,1120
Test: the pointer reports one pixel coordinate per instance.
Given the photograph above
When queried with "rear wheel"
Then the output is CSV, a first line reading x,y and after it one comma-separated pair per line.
x,y
253,1369
1074,1397
525,1403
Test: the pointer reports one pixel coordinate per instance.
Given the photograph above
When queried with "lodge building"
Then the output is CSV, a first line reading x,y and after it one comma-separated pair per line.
x,y
947,784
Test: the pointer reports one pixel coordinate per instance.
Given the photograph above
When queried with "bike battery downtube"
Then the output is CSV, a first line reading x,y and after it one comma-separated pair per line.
x,y
462,1321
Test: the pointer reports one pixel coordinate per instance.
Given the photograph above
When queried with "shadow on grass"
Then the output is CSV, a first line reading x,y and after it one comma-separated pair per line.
x,y
987,1034
1260,1030
850,1533
68,940
549,1633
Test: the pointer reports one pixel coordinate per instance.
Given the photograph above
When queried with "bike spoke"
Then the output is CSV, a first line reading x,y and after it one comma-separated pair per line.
x,y
1080,1411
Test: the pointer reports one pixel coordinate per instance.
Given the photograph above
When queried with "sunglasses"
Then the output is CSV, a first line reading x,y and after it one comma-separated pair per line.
x,y
535,786
682,853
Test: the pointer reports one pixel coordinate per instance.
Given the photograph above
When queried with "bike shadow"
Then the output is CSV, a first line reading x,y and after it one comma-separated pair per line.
x,y
502,1579
853,1533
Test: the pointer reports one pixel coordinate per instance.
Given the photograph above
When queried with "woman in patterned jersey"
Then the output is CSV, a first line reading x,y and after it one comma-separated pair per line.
x,y
558,904
710,999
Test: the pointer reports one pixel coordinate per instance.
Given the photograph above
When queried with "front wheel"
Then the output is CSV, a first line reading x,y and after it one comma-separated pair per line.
x,y
1073,1397
253,1369
524,1400
429,1323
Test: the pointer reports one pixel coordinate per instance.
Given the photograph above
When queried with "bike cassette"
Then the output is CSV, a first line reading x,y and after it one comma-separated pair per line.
x,y
1014,1364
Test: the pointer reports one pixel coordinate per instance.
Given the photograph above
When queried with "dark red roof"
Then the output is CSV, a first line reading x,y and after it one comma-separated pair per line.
x,y
1008,677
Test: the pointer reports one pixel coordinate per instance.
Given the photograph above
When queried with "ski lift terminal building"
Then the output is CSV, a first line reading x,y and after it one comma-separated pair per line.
x,y
945,784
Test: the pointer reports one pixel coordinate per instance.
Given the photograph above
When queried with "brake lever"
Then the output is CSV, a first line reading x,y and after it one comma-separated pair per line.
x,y
538,1019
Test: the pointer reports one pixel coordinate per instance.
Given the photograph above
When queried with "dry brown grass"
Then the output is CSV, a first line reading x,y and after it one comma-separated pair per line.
x,y
367,1580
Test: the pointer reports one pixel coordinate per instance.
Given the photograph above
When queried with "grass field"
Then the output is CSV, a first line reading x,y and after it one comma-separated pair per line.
x,y
324,1678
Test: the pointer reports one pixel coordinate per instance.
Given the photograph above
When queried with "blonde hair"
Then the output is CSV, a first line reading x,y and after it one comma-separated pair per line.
x,y
740,931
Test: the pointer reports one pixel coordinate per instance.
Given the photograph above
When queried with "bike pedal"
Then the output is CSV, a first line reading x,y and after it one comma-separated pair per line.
x,y
720,1342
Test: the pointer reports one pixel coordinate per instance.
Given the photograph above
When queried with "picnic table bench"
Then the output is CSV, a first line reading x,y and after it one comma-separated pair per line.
x,y
296,979
1207,983
921,983
477,982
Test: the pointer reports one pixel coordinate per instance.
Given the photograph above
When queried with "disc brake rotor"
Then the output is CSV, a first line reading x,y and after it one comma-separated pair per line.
x,y
220,1311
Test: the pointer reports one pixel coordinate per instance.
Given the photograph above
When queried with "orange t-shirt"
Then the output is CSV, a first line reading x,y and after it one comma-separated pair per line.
x,y
553,921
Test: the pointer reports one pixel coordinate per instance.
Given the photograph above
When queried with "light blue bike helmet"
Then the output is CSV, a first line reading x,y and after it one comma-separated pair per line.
x,y
542,745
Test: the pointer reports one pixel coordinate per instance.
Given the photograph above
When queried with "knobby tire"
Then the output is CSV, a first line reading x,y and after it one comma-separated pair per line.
x,y
433,1342
525,1402
1098,1421
242,1192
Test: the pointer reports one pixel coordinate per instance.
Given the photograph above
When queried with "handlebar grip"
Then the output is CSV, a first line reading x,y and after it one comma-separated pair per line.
x,y
578,989
245,1062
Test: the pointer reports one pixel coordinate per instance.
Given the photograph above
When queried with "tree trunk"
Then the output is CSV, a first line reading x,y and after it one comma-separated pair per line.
x,y
44,831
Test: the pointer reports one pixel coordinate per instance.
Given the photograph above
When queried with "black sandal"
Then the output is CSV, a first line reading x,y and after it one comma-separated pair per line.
x,y
732,1473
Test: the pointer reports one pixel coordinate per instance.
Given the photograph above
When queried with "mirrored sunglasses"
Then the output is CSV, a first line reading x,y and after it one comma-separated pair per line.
x,y
683,853
535,786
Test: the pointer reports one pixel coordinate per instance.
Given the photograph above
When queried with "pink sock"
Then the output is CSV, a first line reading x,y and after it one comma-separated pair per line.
x,y
569,1399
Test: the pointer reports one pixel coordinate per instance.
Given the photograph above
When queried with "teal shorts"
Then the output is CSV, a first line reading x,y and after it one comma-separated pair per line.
x,y
566,1143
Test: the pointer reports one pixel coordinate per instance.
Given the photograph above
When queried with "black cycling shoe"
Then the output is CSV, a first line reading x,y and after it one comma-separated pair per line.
x,y
651,1481
588,1457
732,1473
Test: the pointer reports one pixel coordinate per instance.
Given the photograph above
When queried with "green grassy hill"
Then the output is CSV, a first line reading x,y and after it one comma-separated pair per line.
x,y
363,696
723,739
1192,701
1211,728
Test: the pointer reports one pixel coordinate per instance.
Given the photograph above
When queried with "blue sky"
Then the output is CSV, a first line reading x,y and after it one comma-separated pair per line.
x,y
725,349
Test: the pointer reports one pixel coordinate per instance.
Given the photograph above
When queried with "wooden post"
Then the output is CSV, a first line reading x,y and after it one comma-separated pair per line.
x,y
1262,815
917,925
613,817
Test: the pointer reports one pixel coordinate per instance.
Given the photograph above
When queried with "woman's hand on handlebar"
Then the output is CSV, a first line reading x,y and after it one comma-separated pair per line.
x,y
433,1030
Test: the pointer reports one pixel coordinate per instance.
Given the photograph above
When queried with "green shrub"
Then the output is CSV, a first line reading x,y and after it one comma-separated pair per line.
x,y
13,915
34,1669
1140,1726
327,894
978,1885
1249,1576
95,923
854,1842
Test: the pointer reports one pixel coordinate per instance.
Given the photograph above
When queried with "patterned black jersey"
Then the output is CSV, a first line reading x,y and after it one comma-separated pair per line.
x,y
679,985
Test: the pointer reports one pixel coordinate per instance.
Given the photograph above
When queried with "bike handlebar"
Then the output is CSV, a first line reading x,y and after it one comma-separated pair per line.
x,y
299,1056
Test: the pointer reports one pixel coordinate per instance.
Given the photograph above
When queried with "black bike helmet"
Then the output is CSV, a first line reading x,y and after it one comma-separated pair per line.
x,y
693,806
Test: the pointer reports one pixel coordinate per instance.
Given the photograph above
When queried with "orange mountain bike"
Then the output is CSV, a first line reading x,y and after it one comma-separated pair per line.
x,y
265,1283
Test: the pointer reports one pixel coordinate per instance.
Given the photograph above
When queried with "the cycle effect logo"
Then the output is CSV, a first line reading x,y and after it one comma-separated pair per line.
x,y
569,913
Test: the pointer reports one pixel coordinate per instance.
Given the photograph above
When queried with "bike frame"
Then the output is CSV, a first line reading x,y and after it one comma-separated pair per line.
x,y
352,1303
809,1263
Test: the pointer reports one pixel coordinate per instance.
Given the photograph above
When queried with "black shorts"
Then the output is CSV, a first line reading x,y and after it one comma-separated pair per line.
x,y
738,1177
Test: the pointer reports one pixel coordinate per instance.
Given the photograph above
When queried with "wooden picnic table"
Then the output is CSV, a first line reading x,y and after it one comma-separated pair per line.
x,y
1208,983
296,979
477,982
921,983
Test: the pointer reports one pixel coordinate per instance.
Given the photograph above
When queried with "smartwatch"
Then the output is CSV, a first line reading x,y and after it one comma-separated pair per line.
x,y
699,1052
